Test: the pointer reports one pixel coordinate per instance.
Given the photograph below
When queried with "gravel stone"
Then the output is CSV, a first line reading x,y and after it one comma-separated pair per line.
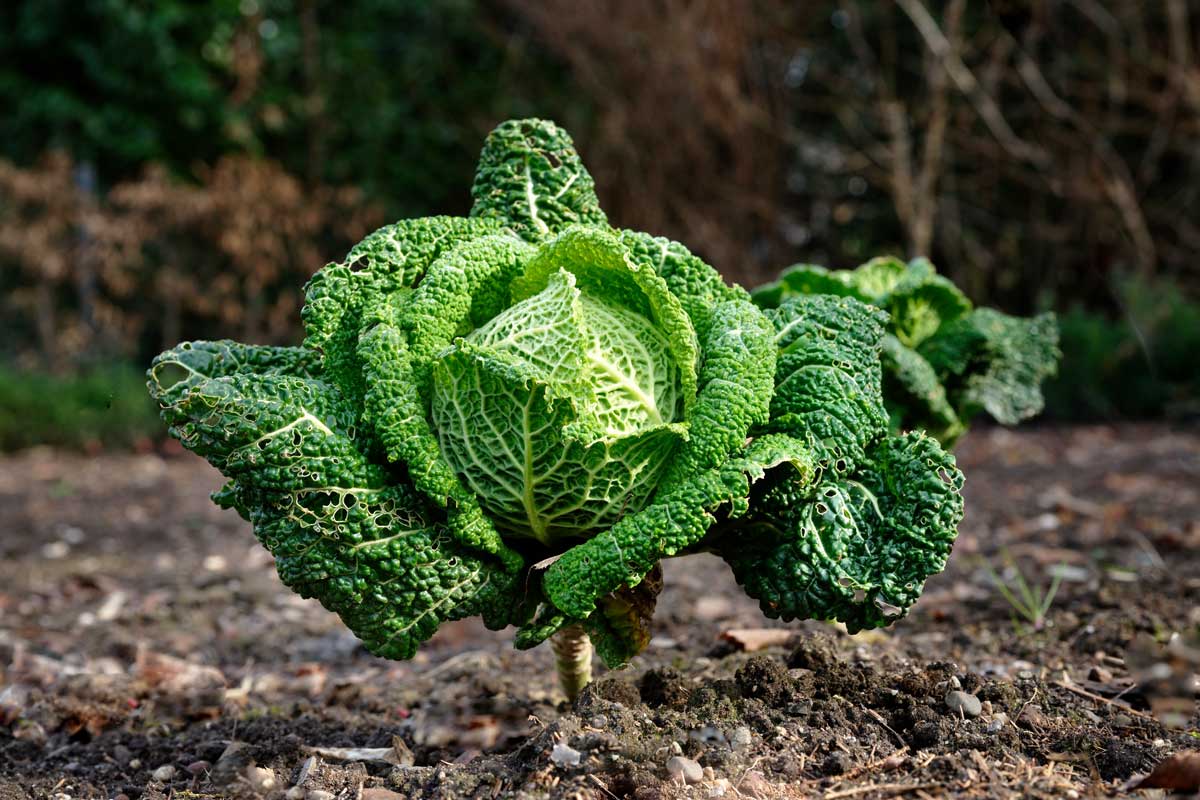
x,y
164,773
564,755
964,702
685,769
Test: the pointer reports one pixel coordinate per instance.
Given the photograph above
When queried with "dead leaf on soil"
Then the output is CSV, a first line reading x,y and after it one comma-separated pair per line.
x,y
1179,772
174,675
754,639
398,754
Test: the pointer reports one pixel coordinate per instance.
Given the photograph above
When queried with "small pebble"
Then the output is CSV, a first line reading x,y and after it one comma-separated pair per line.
x,y
164,773
599,721
964,702
135,763
319,794
741,738
684,769
122,754
720,787
997,723
295,793
53,550
260,778
564,755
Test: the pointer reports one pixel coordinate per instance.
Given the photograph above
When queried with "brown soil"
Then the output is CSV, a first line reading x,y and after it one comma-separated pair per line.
x,y
142,629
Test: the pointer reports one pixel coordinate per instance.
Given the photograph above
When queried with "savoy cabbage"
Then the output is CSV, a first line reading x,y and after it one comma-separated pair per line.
x,y
944,361
518,414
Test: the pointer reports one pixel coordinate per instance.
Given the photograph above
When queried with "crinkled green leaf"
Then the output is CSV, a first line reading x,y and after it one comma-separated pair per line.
x,y
180,369
403,250
540,626
341,298
860,548
674,521
735,389
466,286
827,382
995,362
341,529
922,304
531,179
914,395
395,411
699,287
376,558
878,278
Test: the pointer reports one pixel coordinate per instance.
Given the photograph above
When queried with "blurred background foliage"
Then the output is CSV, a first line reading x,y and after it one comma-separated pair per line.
x,y
178,169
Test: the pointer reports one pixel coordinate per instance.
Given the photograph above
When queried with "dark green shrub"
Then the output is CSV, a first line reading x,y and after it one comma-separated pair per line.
x,y
1141,365
101,406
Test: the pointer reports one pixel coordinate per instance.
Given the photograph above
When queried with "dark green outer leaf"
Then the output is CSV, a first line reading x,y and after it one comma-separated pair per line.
x,y
395,411
995,362
806,279
466,285
827,382
860,550
735,389
180,369
341,529
623,554
915,396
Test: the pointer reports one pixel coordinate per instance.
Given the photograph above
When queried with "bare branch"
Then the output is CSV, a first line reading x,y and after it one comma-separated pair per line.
x,y
983,103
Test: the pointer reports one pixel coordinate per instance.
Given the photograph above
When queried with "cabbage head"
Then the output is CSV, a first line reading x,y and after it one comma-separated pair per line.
x,y
519,413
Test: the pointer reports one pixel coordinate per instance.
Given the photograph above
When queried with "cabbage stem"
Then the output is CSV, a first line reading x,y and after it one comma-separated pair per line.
x,y
573,658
